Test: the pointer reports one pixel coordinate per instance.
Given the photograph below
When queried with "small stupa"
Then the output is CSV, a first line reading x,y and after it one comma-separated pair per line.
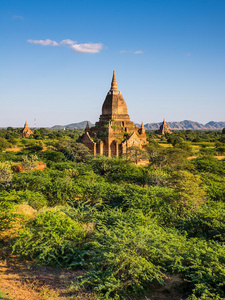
x,y
164,128
26,132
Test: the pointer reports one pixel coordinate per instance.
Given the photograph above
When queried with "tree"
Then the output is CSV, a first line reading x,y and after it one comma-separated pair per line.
x,y
188,187
156,157
157,178
220,150
6,174
3,144
72,150
52,155
175,157
29,163
135,154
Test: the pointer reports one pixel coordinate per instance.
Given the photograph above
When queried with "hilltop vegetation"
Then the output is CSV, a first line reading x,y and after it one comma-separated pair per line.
x,y
128,228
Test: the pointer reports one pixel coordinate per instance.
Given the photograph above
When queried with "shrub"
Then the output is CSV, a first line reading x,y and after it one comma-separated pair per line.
x,y
52,238
203,267
52,156
6,217
6,174
157,178
207,223
125,258
210,165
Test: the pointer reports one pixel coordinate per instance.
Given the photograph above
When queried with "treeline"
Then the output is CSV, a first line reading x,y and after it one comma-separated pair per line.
x,y
195,136
127,226
10,137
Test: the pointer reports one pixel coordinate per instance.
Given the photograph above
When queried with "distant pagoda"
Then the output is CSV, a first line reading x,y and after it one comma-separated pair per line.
x,y
26,132
115,132
164,128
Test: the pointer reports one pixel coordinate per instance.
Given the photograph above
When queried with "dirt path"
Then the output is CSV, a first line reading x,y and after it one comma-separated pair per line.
x,y
16,149
21,282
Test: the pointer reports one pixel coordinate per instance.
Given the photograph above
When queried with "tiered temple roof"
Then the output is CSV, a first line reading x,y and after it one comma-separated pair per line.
x,y
114,133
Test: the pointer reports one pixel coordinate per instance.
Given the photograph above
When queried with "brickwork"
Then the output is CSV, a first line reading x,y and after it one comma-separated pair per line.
x,y
163,128
26,132
114,132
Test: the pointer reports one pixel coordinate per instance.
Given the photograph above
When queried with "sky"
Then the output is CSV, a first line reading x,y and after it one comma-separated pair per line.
x,y
57,58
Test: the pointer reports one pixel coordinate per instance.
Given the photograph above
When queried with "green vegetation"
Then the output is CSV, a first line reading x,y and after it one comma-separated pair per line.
x,y
126,226
2,297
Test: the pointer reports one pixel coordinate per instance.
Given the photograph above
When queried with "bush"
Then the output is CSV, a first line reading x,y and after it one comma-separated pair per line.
x,y
129,258
157,178
52,238
35,199
6,174
210,165
3,144
207,223
52,156
6,206
203,268
216,191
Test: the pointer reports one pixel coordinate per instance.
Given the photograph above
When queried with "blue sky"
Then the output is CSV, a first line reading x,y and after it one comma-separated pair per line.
x,y
57,59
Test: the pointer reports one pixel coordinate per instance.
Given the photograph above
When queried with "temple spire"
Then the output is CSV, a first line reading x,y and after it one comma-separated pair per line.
x,y
87,128
114,86
142,129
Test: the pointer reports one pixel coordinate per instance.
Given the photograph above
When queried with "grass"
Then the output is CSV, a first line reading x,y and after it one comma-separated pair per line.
x,y
2,297
165,145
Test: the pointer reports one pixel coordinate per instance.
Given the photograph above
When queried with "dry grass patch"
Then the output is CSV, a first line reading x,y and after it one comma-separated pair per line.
x,y
21,281
166,145
220,157
16,149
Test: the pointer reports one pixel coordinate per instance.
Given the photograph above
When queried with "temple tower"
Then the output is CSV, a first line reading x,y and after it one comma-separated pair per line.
x,y
114,132
26,132
164,128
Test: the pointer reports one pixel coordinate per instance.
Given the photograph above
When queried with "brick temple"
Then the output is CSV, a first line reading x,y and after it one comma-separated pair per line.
x,y
115,132
164,128
26,132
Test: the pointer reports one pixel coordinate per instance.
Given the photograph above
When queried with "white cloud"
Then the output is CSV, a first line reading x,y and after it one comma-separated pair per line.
x,y
188,54
82,48
46,42
17,17
67,42
87,48
131,51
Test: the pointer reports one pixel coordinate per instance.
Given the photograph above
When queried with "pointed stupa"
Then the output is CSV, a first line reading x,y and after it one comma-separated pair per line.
x,y
26,132
142,129
114,106
114,87
163,128
87,128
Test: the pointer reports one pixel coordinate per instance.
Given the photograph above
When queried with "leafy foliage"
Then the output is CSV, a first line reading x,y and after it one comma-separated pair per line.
x,y
51,238
127,226
5,174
